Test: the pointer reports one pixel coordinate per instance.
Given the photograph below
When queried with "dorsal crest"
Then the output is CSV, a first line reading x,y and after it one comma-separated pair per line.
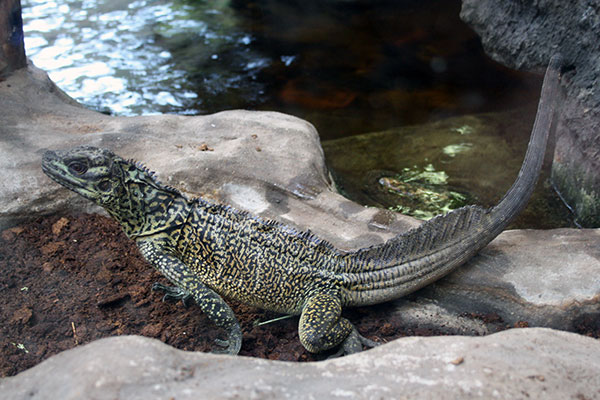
x,y
142,173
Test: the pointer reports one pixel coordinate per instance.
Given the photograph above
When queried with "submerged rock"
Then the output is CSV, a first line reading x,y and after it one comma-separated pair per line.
x,y
520,363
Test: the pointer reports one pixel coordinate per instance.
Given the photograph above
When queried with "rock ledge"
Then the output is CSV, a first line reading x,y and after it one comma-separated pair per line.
x,y
519,363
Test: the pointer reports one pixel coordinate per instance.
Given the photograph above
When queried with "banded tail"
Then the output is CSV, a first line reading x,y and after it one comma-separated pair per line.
x,y
423,255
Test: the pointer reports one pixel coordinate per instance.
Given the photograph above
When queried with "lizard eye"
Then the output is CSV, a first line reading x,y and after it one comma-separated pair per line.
x,y
104,186
78,167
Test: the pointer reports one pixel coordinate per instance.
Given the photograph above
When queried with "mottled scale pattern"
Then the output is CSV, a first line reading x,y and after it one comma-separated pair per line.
x,y
255,261
321,325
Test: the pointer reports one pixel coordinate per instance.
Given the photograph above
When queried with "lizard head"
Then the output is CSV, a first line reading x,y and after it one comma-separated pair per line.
x,y
127,190
94,173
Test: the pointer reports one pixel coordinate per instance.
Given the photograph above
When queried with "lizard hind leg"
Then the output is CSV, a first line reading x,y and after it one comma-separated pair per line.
x,y
322,327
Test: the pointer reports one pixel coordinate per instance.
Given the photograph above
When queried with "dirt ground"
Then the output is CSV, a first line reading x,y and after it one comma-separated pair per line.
x,y
66,281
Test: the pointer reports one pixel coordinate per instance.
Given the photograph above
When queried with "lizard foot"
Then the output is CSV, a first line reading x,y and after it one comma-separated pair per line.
x,y
232,345
172,292
353,344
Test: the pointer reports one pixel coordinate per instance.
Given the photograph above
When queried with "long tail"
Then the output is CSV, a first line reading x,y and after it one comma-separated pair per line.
x,y
516,198
423,255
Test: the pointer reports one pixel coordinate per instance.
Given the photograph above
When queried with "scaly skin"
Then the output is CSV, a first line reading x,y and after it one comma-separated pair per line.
x,y
208,250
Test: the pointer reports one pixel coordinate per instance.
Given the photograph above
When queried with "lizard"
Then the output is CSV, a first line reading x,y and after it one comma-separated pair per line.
x,y
212,251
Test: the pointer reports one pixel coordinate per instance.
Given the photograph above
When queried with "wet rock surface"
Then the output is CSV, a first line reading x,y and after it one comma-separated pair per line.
x,y
520,363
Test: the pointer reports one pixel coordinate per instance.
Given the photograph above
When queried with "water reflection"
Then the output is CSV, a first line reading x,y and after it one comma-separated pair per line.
x,y
110,55
349,67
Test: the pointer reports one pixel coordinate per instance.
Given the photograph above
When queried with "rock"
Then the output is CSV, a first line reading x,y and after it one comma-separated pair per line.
x,y
536,278
264,162
524,35
519,363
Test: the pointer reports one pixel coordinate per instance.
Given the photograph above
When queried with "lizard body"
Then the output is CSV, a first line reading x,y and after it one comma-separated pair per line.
x,y
209,251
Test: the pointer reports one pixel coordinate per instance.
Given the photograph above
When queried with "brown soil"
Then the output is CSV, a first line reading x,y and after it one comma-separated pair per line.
x,y
66,281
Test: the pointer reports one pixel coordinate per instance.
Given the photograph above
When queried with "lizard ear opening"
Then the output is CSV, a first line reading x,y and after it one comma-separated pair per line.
x,y
104,186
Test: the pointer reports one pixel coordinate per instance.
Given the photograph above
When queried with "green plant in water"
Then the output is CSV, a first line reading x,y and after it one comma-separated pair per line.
x,y
423,194
464,130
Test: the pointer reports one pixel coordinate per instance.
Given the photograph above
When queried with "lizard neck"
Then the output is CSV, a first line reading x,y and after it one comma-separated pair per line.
x,y
147,210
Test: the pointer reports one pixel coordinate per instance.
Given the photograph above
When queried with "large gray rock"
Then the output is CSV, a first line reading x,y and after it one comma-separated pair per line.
x,y
516,364
545,278
524,35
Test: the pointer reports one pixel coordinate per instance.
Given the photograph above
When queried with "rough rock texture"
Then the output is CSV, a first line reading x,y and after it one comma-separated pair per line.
x,y
515,364
267,163
524,35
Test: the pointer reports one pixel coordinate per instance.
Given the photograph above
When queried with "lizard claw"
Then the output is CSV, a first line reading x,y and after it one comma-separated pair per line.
x,y
222,342
353,344
232,345
172,292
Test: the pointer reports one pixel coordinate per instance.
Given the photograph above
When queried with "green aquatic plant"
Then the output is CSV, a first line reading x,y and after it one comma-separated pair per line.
x,y
422,194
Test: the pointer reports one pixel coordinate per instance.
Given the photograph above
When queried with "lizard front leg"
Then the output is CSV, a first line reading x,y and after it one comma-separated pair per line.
x,y
159,255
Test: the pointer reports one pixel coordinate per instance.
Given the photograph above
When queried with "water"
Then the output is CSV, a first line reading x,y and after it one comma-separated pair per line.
x,y
349,67
105,55
117,56
427,169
